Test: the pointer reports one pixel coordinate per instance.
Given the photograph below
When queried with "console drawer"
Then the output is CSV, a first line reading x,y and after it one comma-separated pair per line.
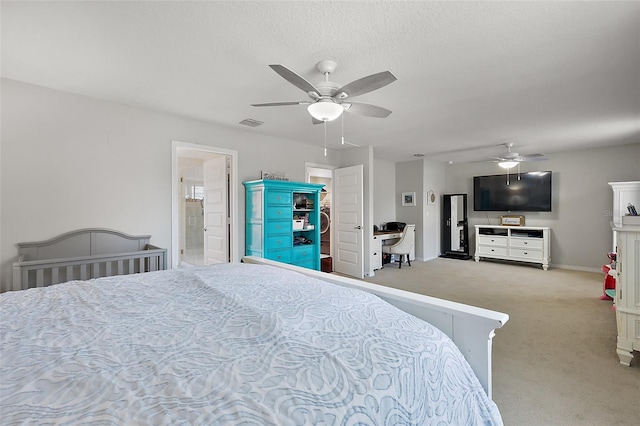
x,y
527,243
279,255
279,241
279,197
278,227
526,254
303,253
492,250
283,212
492,241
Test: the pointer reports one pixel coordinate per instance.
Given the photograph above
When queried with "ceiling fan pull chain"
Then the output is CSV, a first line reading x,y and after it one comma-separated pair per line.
x,y
325,138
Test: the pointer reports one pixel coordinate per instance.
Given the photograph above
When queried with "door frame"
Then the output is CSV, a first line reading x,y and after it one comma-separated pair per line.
x,y
176,148
323,171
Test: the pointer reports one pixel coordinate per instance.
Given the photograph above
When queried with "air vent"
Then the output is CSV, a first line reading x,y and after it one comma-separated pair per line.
x,y
251,122
418,155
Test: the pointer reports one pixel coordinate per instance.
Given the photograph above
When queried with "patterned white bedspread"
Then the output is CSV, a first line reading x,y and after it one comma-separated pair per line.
x,y
227,344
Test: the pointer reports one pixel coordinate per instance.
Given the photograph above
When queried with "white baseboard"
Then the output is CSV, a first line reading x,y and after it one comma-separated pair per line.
x,y
574,268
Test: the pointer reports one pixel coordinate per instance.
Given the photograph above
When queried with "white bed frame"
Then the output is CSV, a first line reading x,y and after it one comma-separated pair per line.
x,y
471,328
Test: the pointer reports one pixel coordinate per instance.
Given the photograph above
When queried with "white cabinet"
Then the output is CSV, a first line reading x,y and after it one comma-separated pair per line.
x,y
623,194
627,298
520,243
376,252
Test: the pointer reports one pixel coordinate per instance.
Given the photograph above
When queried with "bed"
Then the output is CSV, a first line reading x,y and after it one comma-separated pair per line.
x,y
241,343
84,254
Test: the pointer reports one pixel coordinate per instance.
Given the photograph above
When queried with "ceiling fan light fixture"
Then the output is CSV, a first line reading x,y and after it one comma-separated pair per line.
x,y
325,110
507,164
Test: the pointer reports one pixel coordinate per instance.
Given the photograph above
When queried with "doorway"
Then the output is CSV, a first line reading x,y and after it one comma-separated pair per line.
x,y
204,205
343,239
323,175
191,211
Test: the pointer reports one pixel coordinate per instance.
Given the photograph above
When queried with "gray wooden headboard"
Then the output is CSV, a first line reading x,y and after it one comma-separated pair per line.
x,y
84,254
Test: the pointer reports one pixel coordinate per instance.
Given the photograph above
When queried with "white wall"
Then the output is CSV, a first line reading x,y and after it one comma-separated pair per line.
x,y
434,180
410,178
582,200
72,162
384,191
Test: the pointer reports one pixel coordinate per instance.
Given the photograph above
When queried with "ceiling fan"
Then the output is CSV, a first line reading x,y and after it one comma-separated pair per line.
x,y
328,100
511,159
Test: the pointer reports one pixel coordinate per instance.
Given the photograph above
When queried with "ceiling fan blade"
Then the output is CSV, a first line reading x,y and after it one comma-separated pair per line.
x,y
366,85
534,157
366,110
316,121
281,104
295,79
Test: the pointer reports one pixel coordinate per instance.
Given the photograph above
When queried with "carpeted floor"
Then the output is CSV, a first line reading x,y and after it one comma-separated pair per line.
x,y
554,362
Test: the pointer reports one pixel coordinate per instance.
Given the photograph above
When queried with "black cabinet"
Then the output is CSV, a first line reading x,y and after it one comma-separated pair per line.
x,y
455,230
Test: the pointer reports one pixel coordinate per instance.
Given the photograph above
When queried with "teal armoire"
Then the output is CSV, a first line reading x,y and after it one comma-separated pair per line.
x,y
283,221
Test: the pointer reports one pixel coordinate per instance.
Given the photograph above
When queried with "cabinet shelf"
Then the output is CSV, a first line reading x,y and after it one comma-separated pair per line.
x,y
534,233
494,231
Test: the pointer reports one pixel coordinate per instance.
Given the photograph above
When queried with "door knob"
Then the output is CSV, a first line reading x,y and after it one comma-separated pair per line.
x,y
358,227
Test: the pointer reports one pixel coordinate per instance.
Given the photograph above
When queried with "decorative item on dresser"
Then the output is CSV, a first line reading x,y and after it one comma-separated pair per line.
x,y
627,296
283,221
520,243
84,254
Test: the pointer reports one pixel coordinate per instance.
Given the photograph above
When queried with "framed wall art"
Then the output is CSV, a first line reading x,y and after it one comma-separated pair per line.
x,y
431,197
408,198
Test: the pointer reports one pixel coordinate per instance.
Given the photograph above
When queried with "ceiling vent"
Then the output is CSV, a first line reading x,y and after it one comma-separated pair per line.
x,y
251,122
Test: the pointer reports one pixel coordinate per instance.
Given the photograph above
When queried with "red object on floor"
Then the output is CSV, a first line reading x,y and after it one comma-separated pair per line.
x,y
609,282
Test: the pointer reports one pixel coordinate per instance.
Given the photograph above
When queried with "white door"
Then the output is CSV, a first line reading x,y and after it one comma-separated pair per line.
x,y
348,220
215,211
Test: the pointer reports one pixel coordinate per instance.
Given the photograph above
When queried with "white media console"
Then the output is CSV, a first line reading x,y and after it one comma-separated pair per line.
x,y
519,243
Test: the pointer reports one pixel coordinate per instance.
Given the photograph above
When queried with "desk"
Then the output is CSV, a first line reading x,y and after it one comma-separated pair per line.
x,y
385,237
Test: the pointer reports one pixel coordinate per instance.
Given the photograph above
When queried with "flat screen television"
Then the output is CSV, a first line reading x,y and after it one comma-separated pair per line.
x,y
530,193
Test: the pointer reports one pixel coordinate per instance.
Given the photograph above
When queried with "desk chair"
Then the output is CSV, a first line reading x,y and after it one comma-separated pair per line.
x,y
404,246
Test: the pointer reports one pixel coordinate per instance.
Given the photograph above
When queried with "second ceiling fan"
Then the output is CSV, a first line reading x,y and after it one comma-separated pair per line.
x,y
511,159
328,100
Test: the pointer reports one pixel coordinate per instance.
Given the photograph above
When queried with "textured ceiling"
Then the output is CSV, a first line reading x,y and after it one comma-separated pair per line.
x,y
547,76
